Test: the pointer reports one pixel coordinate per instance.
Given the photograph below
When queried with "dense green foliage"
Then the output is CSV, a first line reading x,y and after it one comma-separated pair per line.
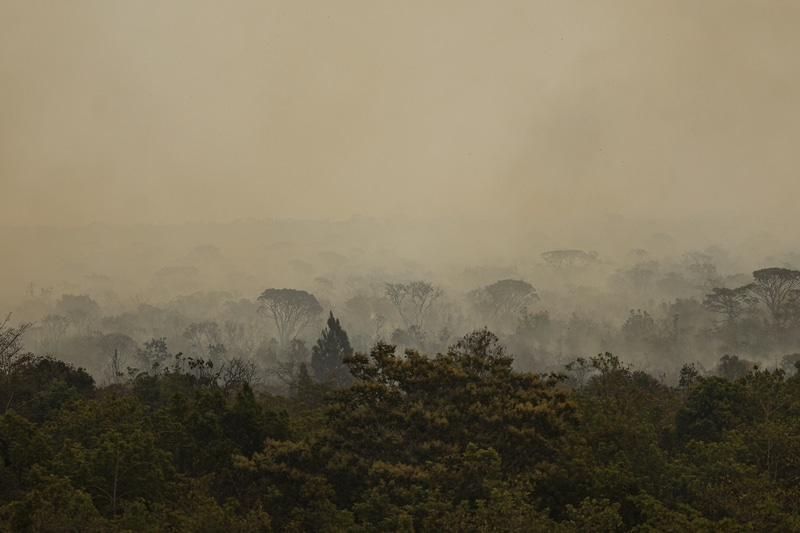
x,y
459,441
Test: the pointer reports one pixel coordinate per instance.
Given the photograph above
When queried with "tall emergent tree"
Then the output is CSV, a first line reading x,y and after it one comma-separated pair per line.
x,y
504,299
327,356
570,258
292,310
775,287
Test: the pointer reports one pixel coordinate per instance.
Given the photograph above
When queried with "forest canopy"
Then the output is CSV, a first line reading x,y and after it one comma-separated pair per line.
x,y
458,441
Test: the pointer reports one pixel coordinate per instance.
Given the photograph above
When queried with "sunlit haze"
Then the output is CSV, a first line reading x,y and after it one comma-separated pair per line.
x,y
383,265
167,112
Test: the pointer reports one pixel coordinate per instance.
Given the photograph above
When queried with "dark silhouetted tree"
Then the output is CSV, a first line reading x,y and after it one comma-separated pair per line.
x,y
731,367
774,287
327,355
10,343
480,342
154,354
730,303
689,374
503,300
292,310
570,258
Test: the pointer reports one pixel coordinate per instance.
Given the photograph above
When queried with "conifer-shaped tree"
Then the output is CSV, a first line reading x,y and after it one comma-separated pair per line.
x,y
328,353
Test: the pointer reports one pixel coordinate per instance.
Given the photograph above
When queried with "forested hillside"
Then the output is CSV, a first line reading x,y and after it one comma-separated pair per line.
x,y
308,381
399,266
109,298
457,441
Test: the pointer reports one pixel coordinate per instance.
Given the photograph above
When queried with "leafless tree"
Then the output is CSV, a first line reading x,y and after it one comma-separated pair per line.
x,y
241,338
413,300
236,372
285,372
120,347
378,320
51,330
10,343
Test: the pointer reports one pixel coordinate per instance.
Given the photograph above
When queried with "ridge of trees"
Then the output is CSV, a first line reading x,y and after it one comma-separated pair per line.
x,y
451,442
384,437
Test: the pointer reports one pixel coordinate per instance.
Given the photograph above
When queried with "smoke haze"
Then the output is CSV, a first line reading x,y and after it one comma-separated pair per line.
x,y
166,112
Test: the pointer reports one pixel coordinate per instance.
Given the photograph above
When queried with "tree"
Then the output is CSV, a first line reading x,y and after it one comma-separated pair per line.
x,y
120,346
241,338
774,287
637,278
413,300
10,343
298,351
109,449
154,354
570,258
701,268
327,355
306,393
39,385
22,445
206,339
579,369
639,326
689,374
292,310
791,362
504,299
730,303
51,331
408,419
53,507
731,367
236,373
369,313
714,405
480,342
79,309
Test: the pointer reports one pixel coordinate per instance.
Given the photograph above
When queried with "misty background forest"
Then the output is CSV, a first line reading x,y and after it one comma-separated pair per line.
x,y
100,296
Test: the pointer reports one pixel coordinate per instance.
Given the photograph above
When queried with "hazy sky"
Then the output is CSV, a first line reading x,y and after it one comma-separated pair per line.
x,y
168,111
